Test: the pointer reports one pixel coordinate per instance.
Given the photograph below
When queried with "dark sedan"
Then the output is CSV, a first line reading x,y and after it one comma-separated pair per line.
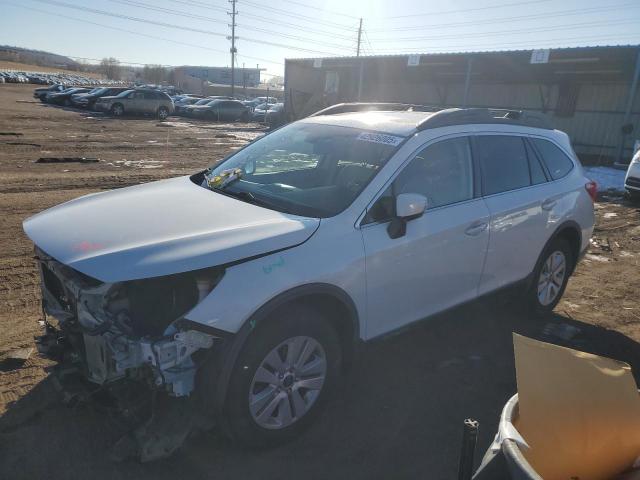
x,y
64,97
89,99
41,93
221,110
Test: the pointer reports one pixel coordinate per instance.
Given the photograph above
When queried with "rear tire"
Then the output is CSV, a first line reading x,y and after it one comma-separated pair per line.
x,y
551,276
267,405
117,110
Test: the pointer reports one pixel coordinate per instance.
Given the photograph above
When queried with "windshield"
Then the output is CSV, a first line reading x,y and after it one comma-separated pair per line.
x,y
204,101
124,94
99,91
304,168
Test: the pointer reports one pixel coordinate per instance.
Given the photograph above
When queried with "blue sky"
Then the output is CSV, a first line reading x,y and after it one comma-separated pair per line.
x,y
271,31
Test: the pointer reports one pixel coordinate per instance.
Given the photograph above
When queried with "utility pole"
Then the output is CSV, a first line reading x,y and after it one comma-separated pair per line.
x,y
359,38
233,50
244,81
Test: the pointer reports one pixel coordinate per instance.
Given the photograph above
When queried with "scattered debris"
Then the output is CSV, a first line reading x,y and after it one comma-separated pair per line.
x,y
563,331
27,144
596,258
15,134
16,359
67,160
610,215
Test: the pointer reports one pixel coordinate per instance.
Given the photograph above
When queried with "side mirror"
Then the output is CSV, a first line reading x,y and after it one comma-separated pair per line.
x,y
408,207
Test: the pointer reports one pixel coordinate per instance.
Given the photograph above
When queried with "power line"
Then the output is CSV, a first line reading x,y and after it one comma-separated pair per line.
x,y
298,16
519,31
526,44
146,6
178,27
268,20
154,37
306,5
492,21
215,20
467,10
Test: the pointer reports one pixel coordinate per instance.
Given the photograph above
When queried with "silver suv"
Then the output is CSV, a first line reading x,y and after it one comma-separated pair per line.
x,y
140,101
250,284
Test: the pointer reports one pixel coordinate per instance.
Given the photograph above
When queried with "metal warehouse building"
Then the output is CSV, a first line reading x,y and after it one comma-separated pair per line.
x,y
589,92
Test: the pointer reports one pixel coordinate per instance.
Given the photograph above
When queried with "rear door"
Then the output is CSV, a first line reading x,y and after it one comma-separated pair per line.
x,y
515,189
438,262
151,102
134,102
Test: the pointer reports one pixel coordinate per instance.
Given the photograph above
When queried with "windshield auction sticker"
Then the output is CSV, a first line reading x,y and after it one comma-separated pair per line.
x,y
380,138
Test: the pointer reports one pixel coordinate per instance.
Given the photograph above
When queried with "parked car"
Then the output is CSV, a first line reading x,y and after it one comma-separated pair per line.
x,y
254,281
184,102
251,104
221,110
64,97
89,99
632,178
273,114
41,93
139,101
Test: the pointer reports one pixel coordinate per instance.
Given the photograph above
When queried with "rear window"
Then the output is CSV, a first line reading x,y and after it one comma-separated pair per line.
x,y
503,161
557,162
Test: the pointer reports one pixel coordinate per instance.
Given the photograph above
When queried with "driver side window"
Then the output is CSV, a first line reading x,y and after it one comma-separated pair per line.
x,y
442,172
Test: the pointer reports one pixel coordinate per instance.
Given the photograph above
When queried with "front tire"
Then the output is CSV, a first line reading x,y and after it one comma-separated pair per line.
x,y
633,195
551,276
282,379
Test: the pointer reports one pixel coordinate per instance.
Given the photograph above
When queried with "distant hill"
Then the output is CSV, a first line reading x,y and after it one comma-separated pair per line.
x,y
37,57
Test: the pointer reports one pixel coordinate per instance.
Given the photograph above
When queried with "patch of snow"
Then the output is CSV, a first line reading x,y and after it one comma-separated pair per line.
x,y
607,178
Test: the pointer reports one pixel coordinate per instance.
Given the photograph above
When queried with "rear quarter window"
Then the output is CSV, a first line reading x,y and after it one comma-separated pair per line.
x,y
557,162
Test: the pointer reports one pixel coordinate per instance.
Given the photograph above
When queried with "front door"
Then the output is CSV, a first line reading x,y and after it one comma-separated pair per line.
x,y
439,261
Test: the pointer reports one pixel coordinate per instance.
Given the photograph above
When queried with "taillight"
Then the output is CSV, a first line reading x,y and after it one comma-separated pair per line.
x,y
592,189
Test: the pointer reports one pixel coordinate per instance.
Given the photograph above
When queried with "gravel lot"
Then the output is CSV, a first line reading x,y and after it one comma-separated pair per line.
x,y
399,413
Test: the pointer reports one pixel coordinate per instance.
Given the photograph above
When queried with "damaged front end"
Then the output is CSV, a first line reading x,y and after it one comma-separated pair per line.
x,y
131,330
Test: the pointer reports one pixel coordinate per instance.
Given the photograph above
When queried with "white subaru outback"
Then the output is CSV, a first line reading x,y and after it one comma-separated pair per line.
x,y
251,284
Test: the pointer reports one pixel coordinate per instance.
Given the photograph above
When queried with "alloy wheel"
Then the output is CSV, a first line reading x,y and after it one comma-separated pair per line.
x,y
287,382
551,278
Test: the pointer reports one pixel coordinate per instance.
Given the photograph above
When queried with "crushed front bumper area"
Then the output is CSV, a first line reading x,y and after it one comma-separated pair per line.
x,y
97,323
89,332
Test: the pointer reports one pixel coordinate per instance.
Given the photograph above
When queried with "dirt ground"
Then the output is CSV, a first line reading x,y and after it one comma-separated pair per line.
x,y
399,413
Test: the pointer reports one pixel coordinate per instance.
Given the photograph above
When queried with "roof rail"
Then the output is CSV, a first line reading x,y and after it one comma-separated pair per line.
x,y
458,116
368,107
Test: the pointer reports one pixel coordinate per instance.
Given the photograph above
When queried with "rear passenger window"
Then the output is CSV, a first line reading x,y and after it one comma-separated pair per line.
x,y
504,164
557,162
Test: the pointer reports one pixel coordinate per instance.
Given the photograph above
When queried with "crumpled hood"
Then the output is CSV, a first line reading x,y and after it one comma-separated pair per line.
x,y
160,228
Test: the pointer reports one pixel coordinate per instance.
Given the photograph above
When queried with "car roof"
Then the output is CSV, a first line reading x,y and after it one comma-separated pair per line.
x,y
405,119
395,122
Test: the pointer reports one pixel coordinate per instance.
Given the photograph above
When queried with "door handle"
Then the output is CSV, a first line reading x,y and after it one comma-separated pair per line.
x,y
476,228
549,204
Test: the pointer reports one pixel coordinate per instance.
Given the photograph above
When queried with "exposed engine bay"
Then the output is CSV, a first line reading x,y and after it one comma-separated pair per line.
x,y
129,329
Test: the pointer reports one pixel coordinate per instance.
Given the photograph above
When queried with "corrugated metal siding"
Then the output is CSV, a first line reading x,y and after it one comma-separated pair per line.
x,y
595,127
